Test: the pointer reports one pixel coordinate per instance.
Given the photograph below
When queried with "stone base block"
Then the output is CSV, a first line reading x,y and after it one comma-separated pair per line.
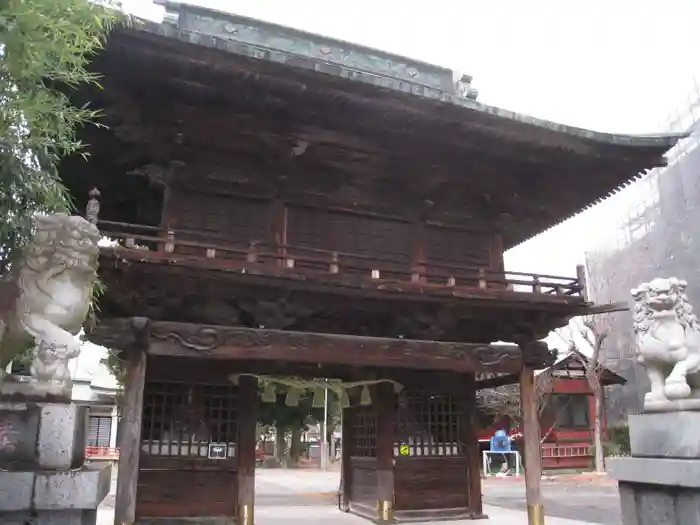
x,y
82,489
78,489
645,504
62,517
657,471
16,491
42,436
665,434
657,491
14,388
672,405
62,432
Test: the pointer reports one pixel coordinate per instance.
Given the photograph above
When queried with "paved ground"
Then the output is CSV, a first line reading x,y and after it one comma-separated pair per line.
x,y
591,500
305,496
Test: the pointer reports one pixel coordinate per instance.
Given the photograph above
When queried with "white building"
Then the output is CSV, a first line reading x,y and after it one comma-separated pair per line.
x,y
94,385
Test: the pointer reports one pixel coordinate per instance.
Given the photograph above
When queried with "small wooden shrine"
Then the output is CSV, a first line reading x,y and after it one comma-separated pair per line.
x,y
284,204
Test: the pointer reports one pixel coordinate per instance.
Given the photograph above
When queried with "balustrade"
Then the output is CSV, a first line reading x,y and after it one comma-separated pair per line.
x,y
217,251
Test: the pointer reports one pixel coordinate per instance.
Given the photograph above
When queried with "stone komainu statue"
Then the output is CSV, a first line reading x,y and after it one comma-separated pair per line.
x,y
54,283
668,342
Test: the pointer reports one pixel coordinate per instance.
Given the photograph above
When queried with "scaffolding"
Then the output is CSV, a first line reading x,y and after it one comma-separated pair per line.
x,y
656,233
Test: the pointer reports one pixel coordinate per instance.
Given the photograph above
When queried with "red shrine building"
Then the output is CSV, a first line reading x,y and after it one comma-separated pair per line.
x,y
286,206
567,417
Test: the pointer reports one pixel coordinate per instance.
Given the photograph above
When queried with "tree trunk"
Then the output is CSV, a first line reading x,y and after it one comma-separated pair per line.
x,y
333,450
280,444
598,432
295,446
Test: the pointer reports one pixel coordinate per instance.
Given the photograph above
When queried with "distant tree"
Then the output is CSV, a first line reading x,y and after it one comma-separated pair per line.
x,y
293,420
504,401
593,333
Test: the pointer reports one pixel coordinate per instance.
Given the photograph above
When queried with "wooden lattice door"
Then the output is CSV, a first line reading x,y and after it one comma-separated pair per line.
x,y
431,456
187,464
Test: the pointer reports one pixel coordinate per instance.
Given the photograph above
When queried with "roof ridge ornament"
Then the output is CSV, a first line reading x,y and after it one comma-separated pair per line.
x,y
463,87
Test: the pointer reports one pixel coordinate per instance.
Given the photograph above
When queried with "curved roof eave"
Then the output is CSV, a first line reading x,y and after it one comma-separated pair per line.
x,y
585,208
660,140
415,89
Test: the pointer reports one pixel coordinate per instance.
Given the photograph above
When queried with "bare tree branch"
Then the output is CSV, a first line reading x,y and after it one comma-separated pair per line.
x,y
504,401
592,333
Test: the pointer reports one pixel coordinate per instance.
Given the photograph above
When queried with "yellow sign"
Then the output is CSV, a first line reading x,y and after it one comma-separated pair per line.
x,y
403,450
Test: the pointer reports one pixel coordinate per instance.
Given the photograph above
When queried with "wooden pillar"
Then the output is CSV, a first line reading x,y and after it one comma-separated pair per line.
x,y
496,253
418,263
345,465
385,405
166,208
245,448
469,438
532,453
129,437
581,276
278,229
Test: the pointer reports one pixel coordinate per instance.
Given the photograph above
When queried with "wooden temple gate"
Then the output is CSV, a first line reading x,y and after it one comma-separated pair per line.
x,y
409,452
319,209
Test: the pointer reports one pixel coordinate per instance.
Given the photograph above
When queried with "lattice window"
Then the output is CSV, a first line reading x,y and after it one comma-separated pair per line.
x,y
363,432
459,247
428,424
240,221
349,233
181,419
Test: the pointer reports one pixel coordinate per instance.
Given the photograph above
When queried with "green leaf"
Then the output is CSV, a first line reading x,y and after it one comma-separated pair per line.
x,y
46,44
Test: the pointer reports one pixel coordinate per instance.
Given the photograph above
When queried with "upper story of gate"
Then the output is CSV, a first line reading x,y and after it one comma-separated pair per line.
x,y
241,146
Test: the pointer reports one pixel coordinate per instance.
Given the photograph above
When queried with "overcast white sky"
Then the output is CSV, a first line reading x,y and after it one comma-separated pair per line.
x,y
608,65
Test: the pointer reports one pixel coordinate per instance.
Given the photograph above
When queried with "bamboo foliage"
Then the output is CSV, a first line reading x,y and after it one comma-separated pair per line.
x,y
45,48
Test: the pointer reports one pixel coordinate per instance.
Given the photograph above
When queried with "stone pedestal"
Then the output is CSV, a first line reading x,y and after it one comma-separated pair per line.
x,y
42,455
660,483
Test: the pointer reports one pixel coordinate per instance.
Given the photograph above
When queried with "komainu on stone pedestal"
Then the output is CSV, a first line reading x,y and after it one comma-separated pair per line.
x,y
660,483
668,340
55,282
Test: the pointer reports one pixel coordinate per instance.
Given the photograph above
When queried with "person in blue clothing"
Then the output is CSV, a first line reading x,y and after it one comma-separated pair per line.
x,y
500,442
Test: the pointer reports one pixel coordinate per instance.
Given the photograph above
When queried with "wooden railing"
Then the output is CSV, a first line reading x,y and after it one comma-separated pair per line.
x,y
102,452
188,244
566,451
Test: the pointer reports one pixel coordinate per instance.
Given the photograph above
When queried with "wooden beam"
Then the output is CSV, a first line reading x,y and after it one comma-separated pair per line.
x,y
217,342
495,382
620,306
532,453
245,448
129,430
226,342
